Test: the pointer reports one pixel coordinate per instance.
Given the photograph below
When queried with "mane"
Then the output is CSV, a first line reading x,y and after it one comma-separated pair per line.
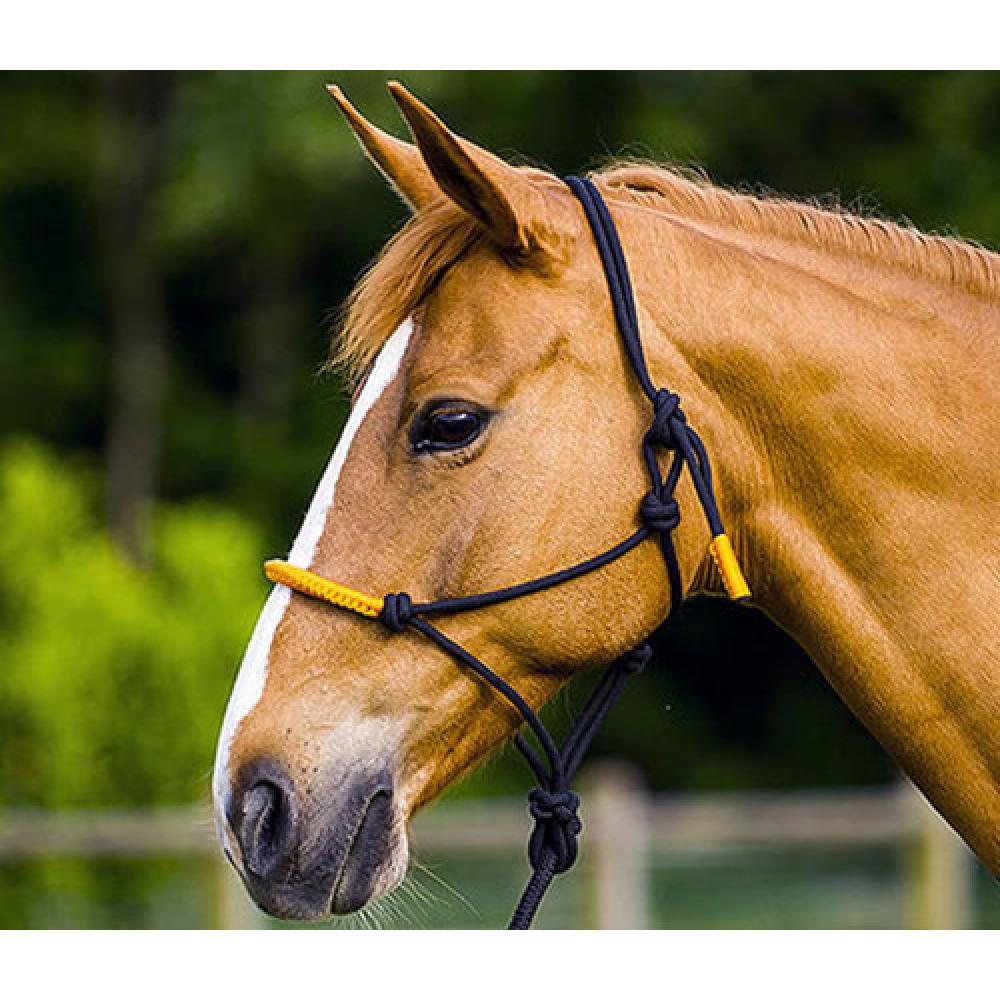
x,y
693,196
401,276
434,239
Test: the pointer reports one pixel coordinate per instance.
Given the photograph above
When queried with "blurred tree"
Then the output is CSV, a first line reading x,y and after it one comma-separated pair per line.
x,y
135,110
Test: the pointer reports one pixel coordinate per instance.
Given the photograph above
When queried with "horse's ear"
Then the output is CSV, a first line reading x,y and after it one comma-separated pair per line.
x,y
509,203
399,162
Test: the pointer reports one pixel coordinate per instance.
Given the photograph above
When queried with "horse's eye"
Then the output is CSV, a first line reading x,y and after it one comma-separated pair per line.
x,y
446,427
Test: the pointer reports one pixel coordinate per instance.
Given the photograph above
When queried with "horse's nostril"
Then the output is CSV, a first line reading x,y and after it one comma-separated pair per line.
x,y
265,828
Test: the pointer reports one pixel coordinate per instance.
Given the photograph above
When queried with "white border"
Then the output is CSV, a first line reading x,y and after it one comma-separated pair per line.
x,y
862,965
514,34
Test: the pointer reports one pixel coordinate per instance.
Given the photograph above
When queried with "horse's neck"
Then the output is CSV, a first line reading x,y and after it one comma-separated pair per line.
x,y
849,426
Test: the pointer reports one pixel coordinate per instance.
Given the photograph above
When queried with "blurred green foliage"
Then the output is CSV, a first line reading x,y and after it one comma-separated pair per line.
x,y
113,676
262,212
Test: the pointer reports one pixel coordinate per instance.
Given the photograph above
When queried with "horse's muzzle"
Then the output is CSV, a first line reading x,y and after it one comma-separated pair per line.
x,y
327,848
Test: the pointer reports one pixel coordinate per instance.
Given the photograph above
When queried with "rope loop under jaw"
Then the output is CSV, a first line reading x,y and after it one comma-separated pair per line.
x,y
557,827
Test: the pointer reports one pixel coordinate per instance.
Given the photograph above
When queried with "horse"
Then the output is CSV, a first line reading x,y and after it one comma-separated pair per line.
x,y
842,372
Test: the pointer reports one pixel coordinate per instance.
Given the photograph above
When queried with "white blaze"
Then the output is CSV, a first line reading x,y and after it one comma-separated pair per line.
x,y
253,670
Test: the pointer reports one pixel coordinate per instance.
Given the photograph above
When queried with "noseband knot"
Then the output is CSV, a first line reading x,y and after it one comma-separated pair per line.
x,y
397,612
660,514
556,827
666,412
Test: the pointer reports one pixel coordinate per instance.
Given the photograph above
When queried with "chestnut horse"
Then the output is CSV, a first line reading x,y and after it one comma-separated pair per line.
x,y
843,374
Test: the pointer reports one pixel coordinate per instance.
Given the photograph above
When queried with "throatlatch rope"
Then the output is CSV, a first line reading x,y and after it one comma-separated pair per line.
x,y
553,805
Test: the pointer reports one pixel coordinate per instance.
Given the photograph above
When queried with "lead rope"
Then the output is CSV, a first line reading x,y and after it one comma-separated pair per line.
x,y
552,804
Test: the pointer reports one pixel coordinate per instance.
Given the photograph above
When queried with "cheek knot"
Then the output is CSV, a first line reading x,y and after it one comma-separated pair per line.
x,y
668,418
660,513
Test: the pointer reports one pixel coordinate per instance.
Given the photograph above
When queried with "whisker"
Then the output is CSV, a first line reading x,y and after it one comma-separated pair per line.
x,y
446,885
419,894
413,900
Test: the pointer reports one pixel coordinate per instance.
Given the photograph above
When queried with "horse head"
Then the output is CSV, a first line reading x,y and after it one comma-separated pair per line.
x,y
492,440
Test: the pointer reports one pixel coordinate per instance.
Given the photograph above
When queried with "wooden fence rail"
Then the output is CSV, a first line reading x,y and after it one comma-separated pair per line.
x,y
624,825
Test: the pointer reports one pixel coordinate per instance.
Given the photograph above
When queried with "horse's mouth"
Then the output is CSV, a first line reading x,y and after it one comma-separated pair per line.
x,y
363,872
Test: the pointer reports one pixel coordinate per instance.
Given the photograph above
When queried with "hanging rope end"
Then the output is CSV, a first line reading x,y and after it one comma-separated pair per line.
x,y
729,566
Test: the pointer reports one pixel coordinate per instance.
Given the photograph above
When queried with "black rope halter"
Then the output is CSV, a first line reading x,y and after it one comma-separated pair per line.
x,y
553,805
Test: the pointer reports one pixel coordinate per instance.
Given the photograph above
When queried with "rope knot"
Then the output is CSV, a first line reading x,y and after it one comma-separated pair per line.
x,y
397,612
660,514
666,413
635,660
557,826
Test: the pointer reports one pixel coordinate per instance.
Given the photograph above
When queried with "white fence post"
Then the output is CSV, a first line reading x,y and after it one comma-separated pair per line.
x,y
939,895
617,844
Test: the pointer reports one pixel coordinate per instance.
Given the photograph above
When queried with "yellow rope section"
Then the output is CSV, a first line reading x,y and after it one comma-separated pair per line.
x,y
314,585
729,566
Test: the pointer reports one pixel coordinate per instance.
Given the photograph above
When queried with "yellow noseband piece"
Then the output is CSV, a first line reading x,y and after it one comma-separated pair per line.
x,y
729,566
314,585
